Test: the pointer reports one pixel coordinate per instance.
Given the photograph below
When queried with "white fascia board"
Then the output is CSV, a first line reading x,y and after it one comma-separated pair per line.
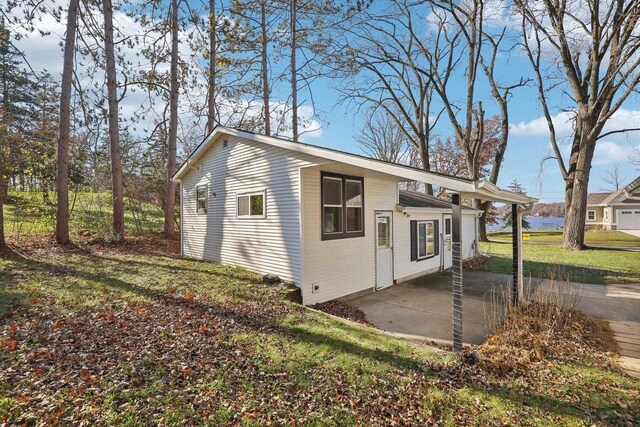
x,y
425,210
485,190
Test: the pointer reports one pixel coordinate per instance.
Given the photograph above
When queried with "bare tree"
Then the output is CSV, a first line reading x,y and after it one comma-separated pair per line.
x,y
62,162
382,139
114,130
383,55
588,49
294,68
614,178
170,193
213,67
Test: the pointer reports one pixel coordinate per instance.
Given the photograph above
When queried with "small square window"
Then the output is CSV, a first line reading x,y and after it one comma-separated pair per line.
x,y
251,205
591,215
201,199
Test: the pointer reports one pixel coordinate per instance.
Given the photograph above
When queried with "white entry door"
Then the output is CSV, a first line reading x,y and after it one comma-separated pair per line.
x,y
447,250
384,249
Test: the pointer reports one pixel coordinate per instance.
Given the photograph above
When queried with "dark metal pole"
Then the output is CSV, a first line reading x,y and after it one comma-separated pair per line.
x,y
516,253
456,237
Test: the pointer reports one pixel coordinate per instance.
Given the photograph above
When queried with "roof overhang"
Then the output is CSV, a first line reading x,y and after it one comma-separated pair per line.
x,y
476,189
488,191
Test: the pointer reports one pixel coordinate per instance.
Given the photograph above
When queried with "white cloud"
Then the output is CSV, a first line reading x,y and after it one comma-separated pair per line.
x,y
563,123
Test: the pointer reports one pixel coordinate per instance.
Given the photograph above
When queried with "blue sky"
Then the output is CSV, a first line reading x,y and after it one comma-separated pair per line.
x,y
528,143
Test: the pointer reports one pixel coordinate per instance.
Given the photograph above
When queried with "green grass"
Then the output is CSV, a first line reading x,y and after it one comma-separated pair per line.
x,y
591,237
300,365
598,266
29,215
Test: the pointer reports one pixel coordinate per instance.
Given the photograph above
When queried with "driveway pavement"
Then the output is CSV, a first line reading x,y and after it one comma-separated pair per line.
x,y
420,310
632,232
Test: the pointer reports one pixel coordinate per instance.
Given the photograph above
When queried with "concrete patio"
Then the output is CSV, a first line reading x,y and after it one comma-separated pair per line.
x,y
420,310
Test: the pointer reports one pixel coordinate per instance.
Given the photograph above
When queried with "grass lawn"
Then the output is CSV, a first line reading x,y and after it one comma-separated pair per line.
x,y
599,266
592,237
133,335
28,215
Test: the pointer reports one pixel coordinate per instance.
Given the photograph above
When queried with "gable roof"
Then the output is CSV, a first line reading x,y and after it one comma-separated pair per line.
x,y
631,191
633,188
596,198
464,186
413,199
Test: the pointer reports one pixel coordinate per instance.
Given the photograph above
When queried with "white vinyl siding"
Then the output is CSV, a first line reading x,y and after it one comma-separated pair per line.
x,y
404,267
267,245
342,266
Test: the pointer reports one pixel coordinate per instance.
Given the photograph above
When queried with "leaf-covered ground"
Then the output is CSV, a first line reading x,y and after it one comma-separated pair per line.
x,y
132,335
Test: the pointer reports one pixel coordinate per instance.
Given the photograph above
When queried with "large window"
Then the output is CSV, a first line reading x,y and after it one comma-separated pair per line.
x,y
201,199
342,206
424,240
251,205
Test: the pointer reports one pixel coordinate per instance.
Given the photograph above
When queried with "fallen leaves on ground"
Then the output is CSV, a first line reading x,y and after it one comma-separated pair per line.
x,y
344,310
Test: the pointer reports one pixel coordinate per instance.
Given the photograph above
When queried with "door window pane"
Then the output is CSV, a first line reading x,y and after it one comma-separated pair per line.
x,y
384,233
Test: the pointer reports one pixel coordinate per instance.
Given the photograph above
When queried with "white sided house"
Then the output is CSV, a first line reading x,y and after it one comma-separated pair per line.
x,y
332,223
618,210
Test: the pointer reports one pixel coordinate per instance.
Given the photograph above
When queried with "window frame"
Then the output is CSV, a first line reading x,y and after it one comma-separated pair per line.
x,y
414,230
204,211
343,234
589,212
250,194
426,239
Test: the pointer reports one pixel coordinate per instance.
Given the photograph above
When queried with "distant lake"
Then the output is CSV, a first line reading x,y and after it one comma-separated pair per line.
x,y
535,223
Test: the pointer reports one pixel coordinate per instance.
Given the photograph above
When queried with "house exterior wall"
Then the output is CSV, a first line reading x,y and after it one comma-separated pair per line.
x,y
405,268
599,218
343,266
346,266
265,245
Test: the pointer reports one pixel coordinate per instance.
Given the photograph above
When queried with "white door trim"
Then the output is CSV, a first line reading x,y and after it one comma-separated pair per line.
x,y
389,214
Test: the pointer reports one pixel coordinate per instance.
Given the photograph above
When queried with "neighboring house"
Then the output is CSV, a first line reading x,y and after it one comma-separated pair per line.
x,y
618,210
333,223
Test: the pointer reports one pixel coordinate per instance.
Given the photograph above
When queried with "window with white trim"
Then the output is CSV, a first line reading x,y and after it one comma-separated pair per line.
x,y
251,205
342,206
606,214
201,199
591,215
424,239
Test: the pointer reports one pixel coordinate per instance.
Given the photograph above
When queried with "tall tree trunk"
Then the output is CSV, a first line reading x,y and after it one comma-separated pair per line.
x,y
496,163
62,162
482,223
114,134
577,188
294,70
264,71
424,157
3,243
211,116
170,195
